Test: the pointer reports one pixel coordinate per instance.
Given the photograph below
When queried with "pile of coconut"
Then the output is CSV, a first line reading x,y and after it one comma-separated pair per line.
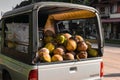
x,y
63,46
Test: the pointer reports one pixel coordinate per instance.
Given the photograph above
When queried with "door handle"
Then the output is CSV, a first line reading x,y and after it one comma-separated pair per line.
x,y
73,69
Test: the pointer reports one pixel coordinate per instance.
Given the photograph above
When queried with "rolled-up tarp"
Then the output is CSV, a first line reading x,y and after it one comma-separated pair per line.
x,y
67,16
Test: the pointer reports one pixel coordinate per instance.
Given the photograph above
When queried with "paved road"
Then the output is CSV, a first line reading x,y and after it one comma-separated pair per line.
x,y
111,60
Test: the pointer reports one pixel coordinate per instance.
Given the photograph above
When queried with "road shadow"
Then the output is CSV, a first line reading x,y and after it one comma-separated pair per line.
x,y
112,75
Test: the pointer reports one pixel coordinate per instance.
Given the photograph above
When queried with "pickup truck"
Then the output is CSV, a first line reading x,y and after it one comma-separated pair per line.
x,y
51,41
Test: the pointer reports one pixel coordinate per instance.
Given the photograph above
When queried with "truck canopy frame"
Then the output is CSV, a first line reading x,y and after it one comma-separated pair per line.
x,y
46,8
49,7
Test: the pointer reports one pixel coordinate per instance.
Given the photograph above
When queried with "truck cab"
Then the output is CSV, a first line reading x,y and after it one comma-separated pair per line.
x,y
31,36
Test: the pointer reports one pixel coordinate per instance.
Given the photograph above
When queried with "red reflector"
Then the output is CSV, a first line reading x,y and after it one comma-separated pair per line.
x,y
101,69
33,75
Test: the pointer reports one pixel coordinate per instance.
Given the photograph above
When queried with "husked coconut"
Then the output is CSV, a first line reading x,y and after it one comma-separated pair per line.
x,y
43,55
89,44
57,57
59,51
78,38
49,33
81,46
67,35
82,55
69,56
71,45
43,51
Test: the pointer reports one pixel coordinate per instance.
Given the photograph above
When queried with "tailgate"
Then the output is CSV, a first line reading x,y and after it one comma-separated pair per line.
x,y
80,70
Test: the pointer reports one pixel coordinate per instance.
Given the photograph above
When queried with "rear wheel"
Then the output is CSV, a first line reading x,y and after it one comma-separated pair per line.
x,y
6,75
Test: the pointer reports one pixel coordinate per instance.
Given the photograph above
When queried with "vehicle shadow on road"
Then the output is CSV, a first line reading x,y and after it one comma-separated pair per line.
x,y
112,75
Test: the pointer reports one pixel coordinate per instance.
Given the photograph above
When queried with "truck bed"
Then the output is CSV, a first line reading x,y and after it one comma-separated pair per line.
x,y
86,69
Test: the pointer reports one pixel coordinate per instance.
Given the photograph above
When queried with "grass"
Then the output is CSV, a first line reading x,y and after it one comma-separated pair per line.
x,y
112,41
0,39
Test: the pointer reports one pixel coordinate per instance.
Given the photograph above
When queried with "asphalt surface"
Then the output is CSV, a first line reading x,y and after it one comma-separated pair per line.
x,y
111,61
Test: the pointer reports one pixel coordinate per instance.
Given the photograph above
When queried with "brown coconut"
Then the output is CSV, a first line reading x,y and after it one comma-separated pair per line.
x,y
59,51
57,57
71,45
78,38
67,35
82,46
49,33
43,51
82,55
89,44
69,56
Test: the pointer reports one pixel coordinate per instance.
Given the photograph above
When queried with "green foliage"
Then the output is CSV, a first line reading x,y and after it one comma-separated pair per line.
x,y
112,41
61,0
84,2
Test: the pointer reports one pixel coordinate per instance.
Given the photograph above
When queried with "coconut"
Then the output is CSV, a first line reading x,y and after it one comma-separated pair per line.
x,y
82,46
45,58
43,55
48,39
60,39
69,56
50,47
49,33
57,57
92,53
63,47
43,51
78,38
82,55
67,35
71,45
89,44
59,51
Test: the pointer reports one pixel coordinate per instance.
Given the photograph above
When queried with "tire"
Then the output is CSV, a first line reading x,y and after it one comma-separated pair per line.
x,y
6,75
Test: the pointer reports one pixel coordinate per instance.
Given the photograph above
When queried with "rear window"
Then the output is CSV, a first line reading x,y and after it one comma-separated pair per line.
x,y
87,28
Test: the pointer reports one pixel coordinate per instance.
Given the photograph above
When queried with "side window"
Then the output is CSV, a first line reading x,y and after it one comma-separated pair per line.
x,y
17,33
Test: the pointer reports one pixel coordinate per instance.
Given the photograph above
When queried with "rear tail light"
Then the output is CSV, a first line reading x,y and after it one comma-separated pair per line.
x,y
33,75
101,69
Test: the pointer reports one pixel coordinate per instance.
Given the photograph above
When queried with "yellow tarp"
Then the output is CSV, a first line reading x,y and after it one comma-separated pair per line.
x,y
73,15
67,16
